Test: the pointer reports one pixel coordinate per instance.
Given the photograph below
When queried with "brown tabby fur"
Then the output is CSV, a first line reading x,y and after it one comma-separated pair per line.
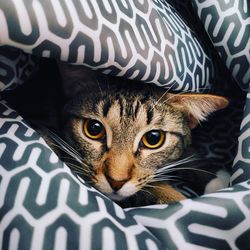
x,y
119,165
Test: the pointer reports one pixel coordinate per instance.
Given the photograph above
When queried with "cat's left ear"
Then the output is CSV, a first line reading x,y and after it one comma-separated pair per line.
x,y
76,78
198,106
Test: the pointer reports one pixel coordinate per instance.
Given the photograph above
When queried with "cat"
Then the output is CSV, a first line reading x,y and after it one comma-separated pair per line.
x,y
126,137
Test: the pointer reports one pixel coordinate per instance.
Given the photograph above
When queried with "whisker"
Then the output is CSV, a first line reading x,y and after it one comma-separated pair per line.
x,y
146,191
82,163
77,171
57,138
67,151
167,178
190,168
70,151
66,145
154,186
68,158
75,167
177,163
165,92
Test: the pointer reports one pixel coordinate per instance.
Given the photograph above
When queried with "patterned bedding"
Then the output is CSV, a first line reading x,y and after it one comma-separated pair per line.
x,y
182,45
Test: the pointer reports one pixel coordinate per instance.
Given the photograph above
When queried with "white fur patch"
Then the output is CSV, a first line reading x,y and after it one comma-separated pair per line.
x,y
127,190
221,181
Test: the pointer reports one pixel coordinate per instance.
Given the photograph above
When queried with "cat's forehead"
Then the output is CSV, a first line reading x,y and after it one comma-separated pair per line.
x,y
136,111
131,108
122,112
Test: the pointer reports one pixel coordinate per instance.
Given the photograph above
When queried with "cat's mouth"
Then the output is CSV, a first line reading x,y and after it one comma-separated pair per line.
x,y
127,190
122,194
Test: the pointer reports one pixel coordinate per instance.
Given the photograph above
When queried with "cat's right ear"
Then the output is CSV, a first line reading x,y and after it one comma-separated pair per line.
x,y
76,78
197,106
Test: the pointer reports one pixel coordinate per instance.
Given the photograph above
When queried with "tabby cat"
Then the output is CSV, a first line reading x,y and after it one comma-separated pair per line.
x,y
125,137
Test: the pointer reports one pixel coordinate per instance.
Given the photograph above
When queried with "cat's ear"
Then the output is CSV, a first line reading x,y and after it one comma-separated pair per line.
x,y
198,106
76,78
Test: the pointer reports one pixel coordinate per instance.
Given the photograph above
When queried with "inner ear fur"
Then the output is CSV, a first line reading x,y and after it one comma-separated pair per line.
x,y
198,106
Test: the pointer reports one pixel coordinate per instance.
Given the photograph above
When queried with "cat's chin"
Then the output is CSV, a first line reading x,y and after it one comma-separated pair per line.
x,y
116,197
125,192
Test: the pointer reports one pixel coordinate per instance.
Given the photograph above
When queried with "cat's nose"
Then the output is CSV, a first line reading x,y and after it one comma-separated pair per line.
x,y
115,185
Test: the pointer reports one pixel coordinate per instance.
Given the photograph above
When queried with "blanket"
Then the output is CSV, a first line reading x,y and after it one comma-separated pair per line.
x,y
181,45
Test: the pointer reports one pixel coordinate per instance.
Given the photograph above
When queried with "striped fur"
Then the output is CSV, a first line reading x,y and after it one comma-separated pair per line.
x,y
119,164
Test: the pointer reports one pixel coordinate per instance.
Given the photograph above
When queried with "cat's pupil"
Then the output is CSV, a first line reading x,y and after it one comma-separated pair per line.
x,y
153,137
94,127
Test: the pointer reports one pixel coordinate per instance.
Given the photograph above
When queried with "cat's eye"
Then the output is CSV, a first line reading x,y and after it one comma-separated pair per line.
x,y
93,129
153,139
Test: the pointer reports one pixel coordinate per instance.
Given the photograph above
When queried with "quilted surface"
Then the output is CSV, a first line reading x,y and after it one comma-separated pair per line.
x,y
227,24
141,40
42,204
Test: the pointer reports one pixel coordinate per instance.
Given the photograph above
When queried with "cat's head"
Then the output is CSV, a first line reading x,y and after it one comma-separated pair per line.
x,y
126,133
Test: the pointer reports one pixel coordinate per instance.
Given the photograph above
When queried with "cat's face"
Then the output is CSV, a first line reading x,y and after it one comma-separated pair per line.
x,y
125,139
126,135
